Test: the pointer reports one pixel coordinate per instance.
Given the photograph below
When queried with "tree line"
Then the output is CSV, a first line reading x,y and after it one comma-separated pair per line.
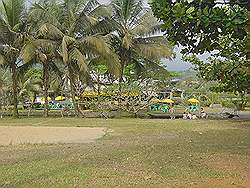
x,y
66,38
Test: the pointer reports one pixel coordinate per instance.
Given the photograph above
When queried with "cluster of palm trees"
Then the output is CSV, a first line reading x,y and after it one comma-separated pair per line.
x,y
74,34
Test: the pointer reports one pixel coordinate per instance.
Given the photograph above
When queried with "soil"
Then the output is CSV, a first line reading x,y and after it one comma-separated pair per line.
x,y
48,135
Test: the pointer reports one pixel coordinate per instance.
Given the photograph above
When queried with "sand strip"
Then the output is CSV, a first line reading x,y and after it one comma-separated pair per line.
x,y
48,135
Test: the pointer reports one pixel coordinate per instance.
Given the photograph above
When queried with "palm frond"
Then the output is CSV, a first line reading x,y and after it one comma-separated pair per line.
x,y
47,10
101,27
136,12
37,47
101,11
95,43
151,39
77,56
146,25
25,68
90,6
83,22
2,60
5,32
153,51
13,10
49,31
28,52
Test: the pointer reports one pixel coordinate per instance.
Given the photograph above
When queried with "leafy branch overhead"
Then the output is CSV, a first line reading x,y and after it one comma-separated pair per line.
x,y
196,25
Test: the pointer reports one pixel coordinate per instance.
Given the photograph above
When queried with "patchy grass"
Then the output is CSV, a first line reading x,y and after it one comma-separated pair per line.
x,y
134,153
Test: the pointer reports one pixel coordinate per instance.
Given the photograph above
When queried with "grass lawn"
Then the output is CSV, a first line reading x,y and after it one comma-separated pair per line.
x,y
133,153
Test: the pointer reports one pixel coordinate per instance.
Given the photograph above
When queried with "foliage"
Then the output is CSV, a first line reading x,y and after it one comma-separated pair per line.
x,y
13,27
197,25
231,75
73,31
206,26
135,38
29,85
5,80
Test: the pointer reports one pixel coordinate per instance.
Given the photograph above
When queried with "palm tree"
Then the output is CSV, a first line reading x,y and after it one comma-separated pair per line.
x,y
80,29
12,36
42,51
137,38
29,83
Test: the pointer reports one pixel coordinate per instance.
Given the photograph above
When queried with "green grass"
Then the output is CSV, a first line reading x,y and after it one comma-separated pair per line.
x,y
134,153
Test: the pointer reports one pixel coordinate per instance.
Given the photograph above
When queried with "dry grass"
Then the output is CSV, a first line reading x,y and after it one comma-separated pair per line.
x,y
135,153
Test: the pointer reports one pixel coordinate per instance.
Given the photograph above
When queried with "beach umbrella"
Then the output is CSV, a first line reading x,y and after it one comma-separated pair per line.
x,y
167,101
43,99
60,98
193,100
155,100
89,93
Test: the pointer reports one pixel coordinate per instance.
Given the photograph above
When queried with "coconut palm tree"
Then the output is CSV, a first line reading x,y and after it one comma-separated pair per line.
x,y
12,36
80,29
29,84
137,38
40,49
44,52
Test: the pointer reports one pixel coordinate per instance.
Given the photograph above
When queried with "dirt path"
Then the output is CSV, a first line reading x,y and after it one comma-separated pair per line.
x,y
48,135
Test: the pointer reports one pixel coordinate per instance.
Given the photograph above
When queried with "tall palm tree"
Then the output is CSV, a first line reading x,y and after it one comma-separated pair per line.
x,y
42,51
12,35
137,38
80,29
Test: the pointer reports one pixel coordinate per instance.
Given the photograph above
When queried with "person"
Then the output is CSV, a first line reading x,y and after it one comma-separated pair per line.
x,y
184,116
203,113
171,111
189,115
194,116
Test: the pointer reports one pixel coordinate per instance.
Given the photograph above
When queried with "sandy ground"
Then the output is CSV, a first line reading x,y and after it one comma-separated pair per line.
x,y
48,135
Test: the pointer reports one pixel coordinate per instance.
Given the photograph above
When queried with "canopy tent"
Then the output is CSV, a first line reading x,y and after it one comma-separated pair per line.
x,y
193,100
155,100
89,93
167,101
60,98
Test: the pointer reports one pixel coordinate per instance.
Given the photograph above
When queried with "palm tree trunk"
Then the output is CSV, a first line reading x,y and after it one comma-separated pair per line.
x,y
73,91
14,90
46,88
123,64
242,101
98,85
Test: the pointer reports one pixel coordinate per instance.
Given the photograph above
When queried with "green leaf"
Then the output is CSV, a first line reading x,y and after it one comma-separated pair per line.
x,y
206,11
238,21
190,10
179,9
